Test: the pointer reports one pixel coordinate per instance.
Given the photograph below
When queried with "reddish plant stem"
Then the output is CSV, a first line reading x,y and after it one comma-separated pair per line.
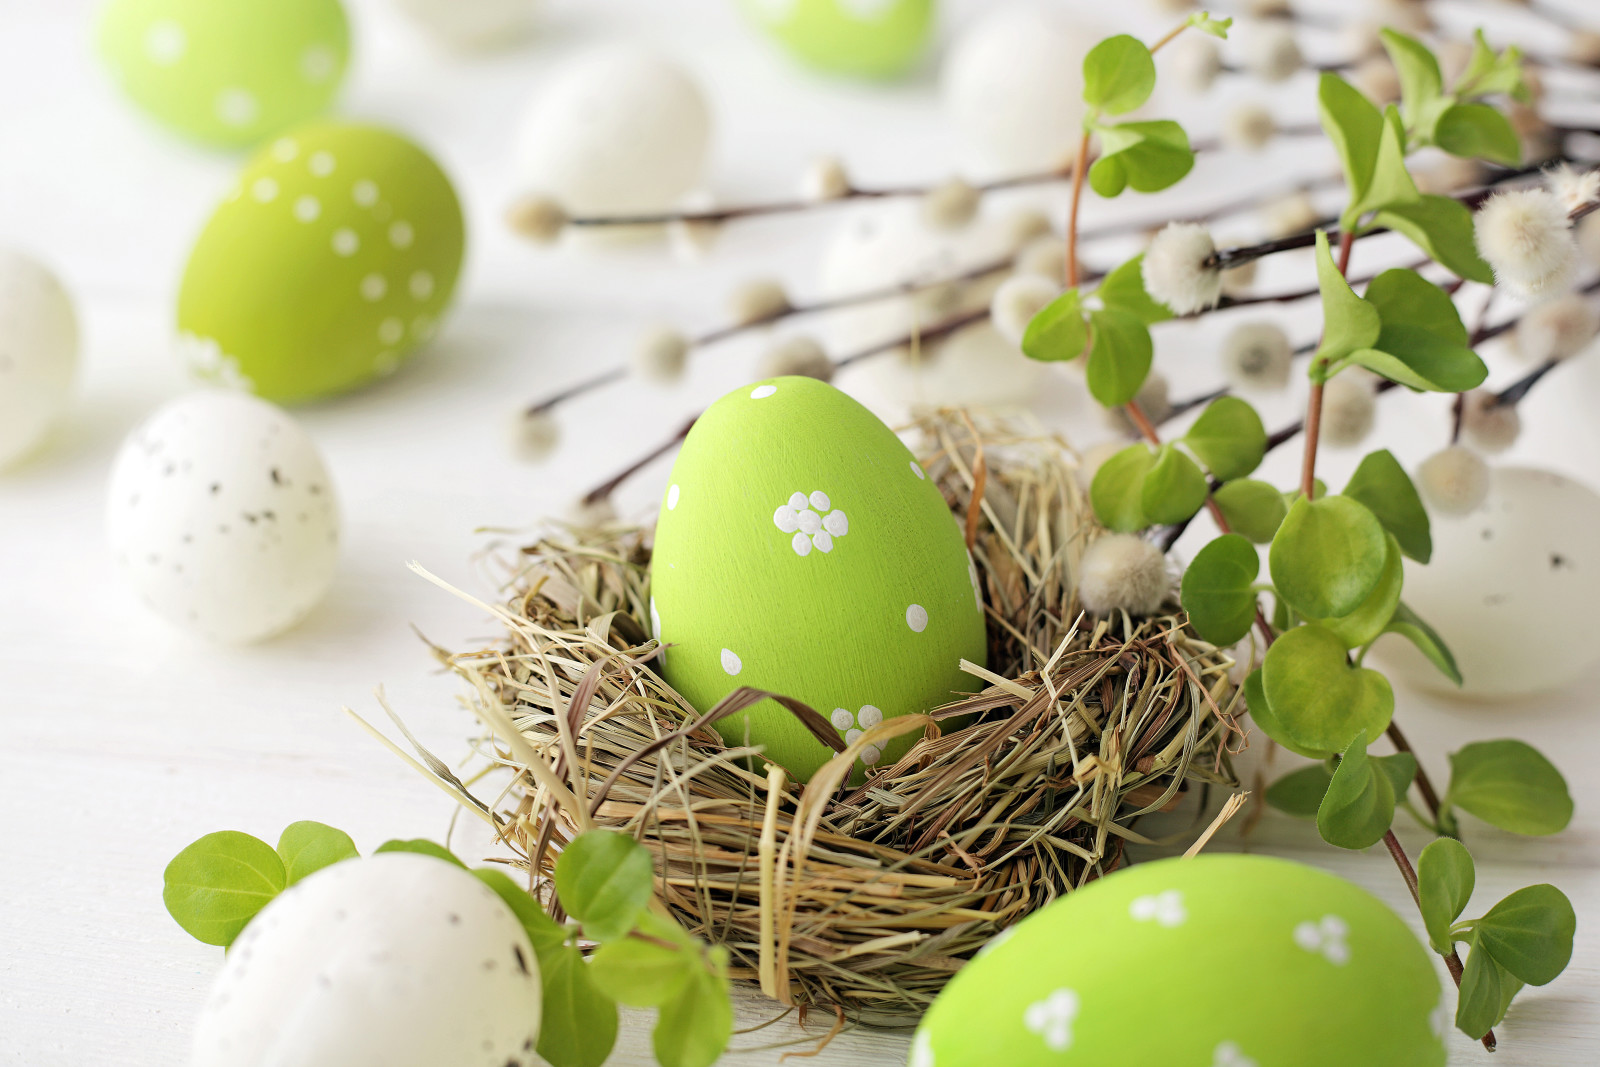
x,y
1079,166
1308,469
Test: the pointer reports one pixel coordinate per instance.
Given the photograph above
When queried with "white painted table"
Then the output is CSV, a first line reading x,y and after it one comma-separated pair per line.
x,y
121,741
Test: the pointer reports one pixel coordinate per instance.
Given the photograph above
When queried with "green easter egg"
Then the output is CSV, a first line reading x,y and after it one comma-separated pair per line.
x,y
334,257
867,38
801,549
1216,961
229,72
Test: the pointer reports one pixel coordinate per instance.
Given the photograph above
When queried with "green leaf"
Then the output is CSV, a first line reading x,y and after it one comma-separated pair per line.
x,y
1218,589
216,886
604,881
1124,290
1404,297
1108,177
1229,438
1478,131
1383,486
1488,74
1358,808
1391,182
1058,332
1354,125
1318,699
1327,556
1421,84
544,933
1150,155
1445,877
1484,993
1529,933
1409,624
1300,793
1205,23
641,973
1349,322
1509,784
1254,509
422,848
1442,227
694,1027
1118,74
1423,343
578,1024
1363,625
1117,489
1174,487
1119,356
306,847
1255,698
1400,768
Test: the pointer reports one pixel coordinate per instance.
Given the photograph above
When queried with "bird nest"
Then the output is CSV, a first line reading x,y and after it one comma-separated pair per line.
x,y
861,898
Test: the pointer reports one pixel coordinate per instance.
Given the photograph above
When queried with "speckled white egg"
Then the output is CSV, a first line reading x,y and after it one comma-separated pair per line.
x,y
472,24
396,960
1510,588
616,129
223,518
1013,84
892,243
38,353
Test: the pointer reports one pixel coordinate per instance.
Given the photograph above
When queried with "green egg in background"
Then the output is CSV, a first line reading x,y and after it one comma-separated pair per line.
x,y
801,549
865,38
227,72
333,257
1216,961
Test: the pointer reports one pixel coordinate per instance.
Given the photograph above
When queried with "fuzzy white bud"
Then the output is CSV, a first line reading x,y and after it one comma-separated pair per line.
x,y
951,204
1574,188
1556,329
534,436
1268,9
1195,61
1172,7
1025,226
1361,39
1525,236
538,218
1017,300
1271,52
1248,127
1154,399
1449,174
1377,79
1492,426
1583,48
823,180
1176,268
1256,355
691,239
758,300
1238,281
1123,572
1289,215
1094,458
1539,139
1045,256
661,355
1453,481
798,356
1407,16
1349,409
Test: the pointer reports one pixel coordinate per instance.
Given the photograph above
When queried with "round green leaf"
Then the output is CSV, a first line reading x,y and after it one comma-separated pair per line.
x,y
578,1023
1318,699
306,847
1058,332
1118,74
1383,486
1529,933
1299,793
1486,992
641,973
1328,556
1442,227
1445,877
1509,784
604,881
1363,625
694,1026
544,932
1253,509
1152,155
422,847
1218,591
1174,487
1229,438
1358,808
1478,131
216,886
1117,487
1255,698
1120,352
1349,322
1124,290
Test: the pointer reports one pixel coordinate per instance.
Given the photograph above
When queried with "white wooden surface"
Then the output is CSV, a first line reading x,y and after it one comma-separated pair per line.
x,y
121,740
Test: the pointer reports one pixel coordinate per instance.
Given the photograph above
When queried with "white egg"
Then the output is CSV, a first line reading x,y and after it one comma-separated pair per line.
x,y
1510,588
891,243
223,518
472,24
38,353
396,960
615,130
1013,84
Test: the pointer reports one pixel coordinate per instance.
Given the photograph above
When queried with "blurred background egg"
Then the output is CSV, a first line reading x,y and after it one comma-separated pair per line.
x,y
472,24
333,258
803,550
869,38
1262,961
1510,588
222,517
616,129
230,73
396,959
38,353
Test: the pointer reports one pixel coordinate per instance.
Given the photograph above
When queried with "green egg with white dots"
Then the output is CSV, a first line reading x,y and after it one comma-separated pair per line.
x,y
802,549
333,258
859,38
227,72
1215,961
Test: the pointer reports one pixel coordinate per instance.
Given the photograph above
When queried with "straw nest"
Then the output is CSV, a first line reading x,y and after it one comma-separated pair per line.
x,y
861,899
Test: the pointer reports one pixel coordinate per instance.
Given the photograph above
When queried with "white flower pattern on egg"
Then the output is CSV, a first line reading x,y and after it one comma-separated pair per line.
x,y
1327,937
812,520
852,724
1164,909
1229,1054
207,361
1052,1018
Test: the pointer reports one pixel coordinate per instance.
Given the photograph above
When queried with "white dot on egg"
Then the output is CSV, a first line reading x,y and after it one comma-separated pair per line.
x,y
284,149
820,501
917,618
916,468
655,620
842,719
318,63
265,189
307,208
851,736
237,107
801,544
390,331
345,241
165,43
385,364
731,661
797,501
870,716
836,523
785,519
423,328
422,285
401,234
871,754
321,164
373,287
364,192
823,541
672,497
761,392
809,521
